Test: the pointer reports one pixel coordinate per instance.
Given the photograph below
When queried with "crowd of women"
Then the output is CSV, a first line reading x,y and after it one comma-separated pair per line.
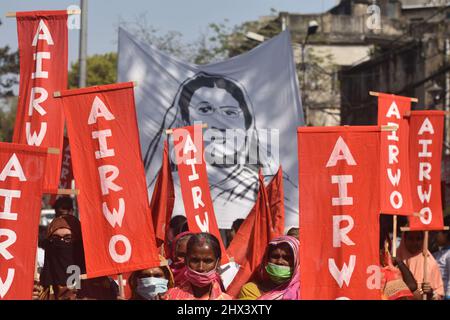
x,y
190,270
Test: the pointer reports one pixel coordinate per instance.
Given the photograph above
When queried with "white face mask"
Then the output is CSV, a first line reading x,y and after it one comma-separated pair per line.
x,y
148,288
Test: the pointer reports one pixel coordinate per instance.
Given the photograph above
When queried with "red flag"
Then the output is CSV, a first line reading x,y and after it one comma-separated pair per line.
x,y
163,200
198,205
264,222
107,163
65,180
427,130
395,192
339,210
21,181
43,70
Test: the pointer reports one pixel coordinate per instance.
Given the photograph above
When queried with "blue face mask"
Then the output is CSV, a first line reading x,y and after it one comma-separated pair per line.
x,y
148,288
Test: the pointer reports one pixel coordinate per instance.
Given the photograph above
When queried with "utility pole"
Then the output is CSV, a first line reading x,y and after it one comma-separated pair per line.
x,y
82,54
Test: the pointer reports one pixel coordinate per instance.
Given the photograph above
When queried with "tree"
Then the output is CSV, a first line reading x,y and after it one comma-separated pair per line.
x,y
101,69
9,72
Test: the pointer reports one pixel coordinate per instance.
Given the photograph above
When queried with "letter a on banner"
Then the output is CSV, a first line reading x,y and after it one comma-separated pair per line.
x,y
395,193
107,164
426,134
339,205
21,182
43,69
188,144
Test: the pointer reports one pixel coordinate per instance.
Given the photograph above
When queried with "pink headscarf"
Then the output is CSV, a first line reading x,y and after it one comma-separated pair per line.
x,y
290,289
178,269
415,264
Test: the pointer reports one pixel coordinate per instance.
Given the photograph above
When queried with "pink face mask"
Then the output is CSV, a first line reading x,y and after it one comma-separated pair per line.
x,y
201,279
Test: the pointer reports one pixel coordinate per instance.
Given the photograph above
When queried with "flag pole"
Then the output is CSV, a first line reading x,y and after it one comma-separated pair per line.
x,y
425,256
170,131
121,287
377,94
394,236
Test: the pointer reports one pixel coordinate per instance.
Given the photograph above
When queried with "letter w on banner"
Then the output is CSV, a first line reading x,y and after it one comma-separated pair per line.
x,y
395,192
21,181
339,206
198,206
426,134
107,164
43,69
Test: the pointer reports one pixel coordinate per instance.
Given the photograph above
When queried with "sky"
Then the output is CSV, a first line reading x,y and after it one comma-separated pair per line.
x,y
189,17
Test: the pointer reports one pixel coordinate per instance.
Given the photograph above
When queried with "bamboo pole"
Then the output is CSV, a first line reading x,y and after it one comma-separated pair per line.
x,y
71,11
170,131
376,94
394,236
68,192
52,150
409,229
425,257
121,287
389,128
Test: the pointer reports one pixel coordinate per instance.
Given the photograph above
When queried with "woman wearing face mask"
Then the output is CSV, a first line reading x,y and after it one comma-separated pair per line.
x,y
278,276
202,282
64,249
179,249
151,283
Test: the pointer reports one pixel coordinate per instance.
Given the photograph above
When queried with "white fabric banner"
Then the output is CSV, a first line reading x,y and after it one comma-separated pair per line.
x,y
255,94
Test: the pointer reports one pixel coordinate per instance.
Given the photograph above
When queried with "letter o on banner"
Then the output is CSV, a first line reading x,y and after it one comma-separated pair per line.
x,y
396,204
426,215
119,258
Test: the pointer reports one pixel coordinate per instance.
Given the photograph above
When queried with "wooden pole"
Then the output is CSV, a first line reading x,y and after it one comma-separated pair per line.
x,y
425,256
376,94
68,192
13,14
394,236
389,128
408,229
170,131
121,287
52,150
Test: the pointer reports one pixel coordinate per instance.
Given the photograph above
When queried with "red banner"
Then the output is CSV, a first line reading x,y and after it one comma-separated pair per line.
x,y
264,223
43,70
65,180
426,134
21,181
395,193
107,163
339,210
198,205
163,199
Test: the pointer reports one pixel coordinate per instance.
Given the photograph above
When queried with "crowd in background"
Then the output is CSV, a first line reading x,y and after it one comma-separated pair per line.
x,y
191,268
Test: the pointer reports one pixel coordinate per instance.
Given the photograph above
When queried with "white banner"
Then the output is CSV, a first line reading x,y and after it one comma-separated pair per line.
x,y
255,95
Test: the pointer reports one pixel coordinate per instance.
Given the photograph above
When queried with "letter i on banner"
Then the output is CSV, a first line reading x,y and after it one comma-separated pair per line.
x,y
426,134
198,205
21,182
43,69
115,217
339,210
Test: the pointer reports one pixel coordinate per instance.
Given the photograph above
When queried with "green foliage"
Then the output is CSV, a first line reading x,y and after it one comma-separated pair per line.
x,y
101,69
7,119
9,70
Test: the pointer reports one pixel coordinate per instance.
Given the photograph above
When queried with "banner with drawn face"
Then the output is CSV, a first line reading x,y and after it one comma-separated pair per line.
x,y
250,103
